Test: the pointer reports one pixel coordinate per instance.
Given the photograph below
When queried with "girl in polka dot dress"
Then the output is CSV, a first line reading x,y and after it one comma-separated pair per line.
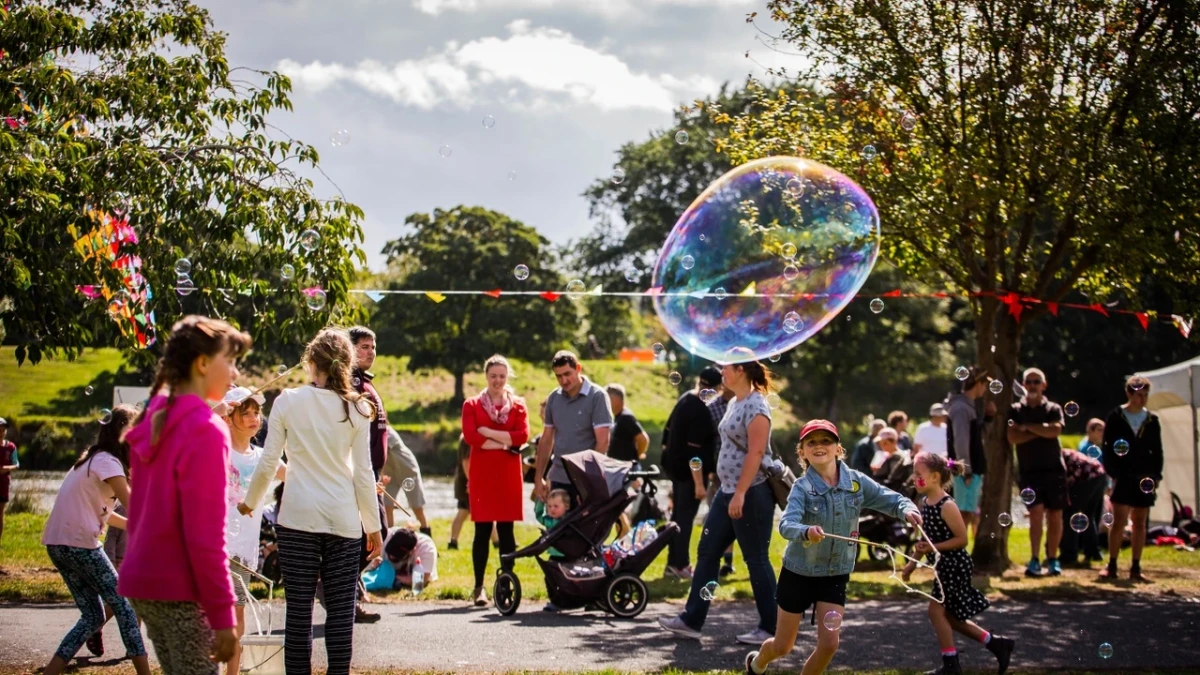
x,y
945,527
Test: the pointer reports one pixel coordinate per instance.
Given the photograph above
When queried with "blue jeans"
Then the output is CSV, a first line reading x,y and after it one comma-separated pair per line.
x,y
753,534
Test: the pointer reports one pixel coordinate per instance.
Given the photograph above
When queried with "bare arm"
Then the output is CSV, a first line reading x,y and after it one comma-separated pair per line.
x,y
545,446
758,432
958,527
641,442
602,436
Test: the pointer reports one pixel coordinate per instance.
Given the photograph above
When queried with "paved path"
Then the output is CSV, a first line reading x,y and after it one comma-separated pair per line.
x,y
1146,634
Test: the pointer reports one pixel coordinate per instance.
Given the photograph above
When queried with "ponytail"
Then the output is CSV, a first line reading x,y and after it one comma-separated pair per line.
x,y
943,467
332,353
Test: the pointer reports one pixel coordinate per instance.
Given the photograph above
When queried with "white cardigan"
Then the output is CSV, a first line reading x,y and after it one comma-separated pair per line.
x,y
330,486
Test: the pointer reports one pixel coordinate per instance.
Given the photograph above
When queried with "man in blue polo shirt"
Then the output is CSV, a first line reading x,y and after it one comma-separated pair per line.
x,y
578,417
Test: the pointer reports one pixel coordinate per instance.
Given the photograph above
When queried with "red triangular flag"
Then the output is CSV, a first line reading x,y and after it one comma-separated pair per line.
x,y
1143,319
891,294
551,296
1097,307
1014,305
657,290
495,293
1053,307
939,294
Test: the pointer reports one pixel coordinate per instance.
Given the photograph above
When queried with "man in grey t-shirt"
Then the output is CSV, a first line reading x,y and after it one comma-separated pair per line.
x,y
578,417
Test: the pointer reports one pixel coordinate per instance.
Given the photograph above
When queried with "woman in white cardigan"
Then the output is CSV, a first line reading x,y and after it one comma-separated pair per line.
x,y
330,500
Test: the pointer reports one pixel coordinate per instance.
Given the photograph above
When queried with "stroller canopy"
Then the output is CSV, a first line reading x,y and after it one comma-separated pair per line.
x,y
597,477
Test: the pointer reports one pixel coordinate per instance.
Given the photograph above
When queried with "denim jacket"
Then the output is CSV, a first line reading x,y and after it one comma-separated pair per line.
x,y
836,510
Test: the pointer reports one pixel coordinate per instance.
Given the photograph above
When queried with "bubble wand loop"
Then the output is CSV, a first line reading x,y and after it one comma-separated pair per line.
x,y
893,552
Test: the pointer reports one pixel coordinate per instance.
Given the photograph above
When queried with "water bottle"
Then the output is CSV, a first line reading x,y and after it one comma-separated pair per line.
x,y
418,577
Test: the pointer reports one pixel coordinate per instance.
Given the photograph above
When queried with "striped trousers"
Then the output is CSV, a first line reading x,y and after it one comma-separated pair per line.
x,y
305,557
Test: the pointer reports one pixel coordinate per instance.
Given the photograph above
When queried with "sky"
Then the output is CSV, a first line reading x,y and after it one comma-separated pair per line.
x,y
567,82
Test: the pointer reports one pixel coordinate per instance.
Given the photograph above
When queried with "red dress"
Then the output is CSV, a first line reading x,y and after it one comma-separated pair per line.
x,y
494,483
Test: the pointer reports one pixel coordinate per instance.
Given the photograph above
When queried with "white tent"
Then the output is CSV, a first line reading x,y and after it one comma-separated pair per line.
x,y
1174,397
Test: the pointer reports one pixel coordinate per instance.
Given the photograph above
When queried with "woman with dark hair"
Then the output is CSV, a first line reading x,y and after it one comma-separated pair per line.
x,y
494,423
330,499
744,508
82,508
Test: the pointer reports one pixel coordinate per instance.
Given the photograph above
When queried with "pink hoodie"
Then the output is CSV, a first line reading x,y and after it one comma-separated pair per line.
x,y
176,530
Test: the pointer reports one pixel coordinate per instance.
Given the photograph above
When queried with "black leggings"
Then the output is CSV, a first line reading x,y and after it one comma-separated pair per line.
x,y
305,557
483,542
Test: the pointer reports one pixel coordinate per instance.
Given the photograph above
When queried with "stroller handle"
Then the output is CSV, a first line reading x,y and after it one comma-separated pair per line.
x,y
645,473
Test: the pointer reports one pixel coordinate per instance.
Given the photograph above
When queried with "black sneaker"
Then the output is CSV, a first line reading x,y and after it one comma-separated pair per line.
x,y
427,532
95,644
453,545
950,666
1002,647
725,571
362,616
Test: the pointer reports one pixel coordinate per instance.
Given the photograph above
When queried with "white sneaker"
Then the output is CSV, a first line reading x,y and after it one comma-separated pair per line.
x,y
684,573
754,637
676,625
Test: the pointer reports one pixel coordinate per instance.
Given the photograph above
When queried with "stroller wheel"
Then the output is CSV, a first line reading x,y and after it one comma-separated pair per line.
x,y
627,596
507,593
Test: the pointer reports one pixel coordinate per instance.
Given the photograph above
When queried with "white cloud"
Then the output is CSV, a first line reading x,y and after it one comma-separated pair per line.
x,y
612,8
544,66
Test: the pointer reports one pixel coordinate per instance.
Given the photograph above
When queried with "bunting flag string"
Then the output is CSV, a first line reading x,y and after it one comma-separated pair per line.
x,y
1015,302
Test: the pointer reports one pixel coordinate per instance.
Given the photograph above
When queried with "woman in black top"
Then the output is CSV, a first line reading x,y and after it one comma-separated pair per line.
x,y
1133,458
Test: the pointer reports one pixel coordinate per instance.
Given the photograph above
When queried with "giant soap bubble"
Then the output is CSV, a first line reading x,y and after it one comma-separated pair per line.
x,y
739,232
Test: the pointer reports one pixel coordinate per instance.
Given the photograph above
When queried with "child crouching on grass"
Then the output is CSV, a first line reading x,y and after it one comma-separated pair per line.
x,y
948,531
827,497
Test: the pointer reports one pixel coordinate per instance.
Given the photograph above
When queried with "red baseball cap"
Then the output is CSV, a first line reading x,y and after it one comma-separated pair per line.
x,y
819,425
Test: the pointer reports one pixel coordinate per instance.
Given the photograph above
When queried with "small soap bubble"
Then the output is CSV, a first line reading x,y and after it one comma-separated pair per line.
x,y
575,287
674,378
774,358
869,153
512,175
287,272
1004,519
1137,386
632,274
695,464
996,386
688,262
774,401
710,589
795,188
681,137
280,369
1093,451
339,138
104,416
185,286
1071,408
445,151
1012,423
961,373
789,251
309,240
618,176
1107,519
408,485
832,620
183,266
1121,447
708,395
1106,650
908,121
489,122
720,292
521,272
1079,522
791,272
876,305
1028,496
88,390
315,300
356,382
658,348
1147,485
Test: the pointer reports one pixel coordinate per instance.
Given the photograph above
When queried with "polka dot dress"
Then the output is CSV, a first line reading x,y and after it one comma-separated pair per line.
x,y
961,600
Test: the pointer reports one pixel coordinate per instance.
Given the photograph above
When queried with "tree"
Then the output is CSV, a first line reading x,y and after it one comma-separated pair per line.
x,y
119,118
1022,148
469,248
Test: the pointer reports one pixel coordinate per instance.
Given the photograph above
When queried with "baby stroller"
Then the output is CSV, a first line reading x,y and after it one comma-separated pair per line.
x,y
880,529
582,576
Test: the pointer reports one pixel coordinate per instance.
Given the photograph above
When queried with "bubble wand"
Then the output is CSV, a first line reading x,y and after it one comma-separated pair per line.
x,y
893,552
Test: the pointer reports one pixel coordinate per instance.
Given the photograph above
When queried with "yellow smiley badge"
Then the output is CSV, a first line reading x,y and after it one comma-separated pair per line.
x,y
854,486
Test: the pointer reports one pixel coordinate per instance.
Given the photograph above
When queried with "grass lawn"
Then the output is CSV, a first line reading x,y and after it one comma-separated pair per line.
x,y
26,573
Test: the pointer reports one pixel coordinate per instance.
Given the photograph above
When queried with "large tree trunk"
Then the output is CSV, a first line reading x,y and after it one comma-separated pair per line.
x,y
991,545
459,390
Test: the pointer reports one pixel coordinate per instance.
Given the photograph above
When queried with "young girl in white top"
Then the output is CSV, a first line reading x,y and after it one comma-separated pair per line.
x,y
329,502
72,539
242,535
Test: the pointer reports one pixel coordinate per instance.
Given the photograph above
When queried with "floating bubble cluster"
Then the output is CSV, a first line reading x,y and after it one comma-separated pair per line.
x,y
748,218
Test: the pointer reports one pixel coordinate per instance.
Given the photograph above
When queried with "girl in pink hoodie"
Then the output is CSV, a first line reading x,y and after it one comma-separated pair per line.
x,y
175,571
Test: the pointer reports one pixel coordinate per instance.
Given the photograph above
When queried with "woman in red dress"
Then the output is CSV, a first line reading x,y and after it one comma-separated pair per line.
x,y
495,424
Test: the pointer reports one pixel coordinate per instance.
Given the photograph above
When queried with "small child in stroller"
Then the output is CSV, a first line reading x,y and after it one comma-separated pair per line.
x,y
548,514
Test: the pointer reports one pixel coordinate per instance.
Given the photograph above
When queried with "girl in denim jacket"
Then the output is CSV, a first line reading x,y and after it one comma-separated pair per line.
x,y
828,496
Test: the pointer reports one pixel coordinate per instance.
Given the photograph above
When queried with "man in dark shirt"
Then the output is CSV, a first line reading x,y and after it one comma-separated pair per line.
x,y
363,339
1034,424
864,450
629,439
689,435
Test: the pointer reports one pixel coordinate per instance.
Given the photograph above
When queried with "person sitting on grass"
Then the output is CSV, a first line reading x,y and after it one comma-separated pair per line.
x,y
403,548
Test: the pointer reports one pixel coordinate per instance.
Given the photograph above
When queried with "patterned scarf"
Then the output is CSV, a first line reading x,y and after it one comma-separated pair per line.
x,y
499,416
